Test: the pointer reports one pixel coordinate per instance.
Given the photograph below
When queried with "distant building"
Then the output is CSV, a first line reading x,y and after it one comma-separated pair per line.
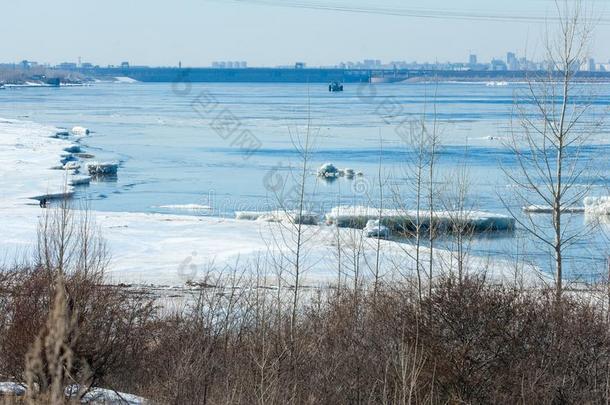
x,y
299,65
472,59
498,64
511,61
125,65
591,65
67,65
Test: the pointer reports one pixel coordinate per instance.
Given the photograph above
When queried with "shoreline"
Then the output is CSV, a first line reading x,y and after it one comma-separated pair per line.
x,y
164,249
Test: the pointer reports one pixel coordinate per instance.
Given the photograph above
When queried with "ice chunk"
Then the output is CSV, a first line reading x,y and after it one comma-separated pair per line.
x,y
68,158
80,181
597,205
328,170
78,130
105,396
71,166
406,220
305,218
374,229
103,168
8,388
73,148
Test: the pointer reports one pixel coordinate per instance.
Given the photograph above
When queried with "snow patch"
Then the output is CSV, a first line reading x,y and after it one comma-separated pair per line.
x,y
8,388
105,396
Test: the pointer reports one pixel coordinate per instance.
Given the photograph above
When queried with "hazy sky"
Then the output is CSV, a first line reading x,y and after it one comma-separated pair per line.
x,y
269,33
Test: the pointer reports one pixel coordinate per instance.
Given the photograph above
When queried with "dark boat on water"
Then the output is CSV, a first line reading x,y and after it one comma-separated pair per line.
x,y
54,81
335,86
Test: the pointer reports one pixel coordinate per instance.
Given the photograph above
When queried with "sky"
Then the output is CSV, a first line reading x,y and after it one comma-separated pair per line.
x,y
277,32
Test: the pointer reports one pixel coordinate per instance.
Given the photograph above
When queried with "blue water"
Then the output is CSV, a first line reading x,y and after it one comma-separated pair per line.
x,y
223,144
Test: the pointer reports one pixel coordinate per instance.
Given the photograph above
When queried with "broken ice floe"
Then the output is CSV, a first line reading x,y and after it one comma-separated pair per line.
x,y
597,205
330,171
406,220
374,229
73,148
78,130
103,168
80,181
545,209
71,166
61,134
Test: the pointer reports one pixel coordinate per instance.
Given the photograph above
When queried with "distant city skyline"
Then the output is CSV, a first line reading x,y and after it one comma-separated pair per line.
x,y
272,33
512,62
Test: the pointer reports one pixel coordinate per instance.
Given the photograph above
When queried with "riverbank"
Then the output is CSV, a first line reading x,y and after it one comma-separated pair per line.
x,y
175,250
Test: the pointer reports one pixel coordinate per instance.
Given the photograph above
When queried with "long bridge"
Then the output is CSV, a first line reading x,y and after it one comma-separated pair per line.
x,y
314,75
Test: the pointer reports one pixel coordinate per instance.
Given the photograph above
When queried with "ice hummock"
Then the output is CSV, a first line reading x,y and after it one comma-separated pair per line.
x,y
80,180
406,220
73,148
103,168
374,229
328,170
597,205
78,130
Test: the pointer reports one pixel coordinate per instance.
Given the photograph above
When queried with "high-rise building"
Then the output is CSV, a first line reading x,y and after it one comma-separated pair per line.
x,y
591,65
511,61
472,59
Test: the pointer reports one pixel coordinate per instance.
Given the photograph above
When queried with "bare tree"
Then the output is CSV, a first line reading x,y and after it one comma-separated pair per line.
x,y
549,134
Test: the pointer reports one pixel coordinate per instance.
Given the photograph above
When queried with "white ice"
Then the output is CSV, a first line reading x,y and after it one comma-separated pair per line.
x,y
597,205
358,216
171,249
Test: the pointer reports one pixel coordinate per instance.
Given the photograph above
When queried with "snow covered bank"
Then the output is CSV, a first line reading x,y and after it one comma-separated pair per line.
x,y
28,151
405,220
171,250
